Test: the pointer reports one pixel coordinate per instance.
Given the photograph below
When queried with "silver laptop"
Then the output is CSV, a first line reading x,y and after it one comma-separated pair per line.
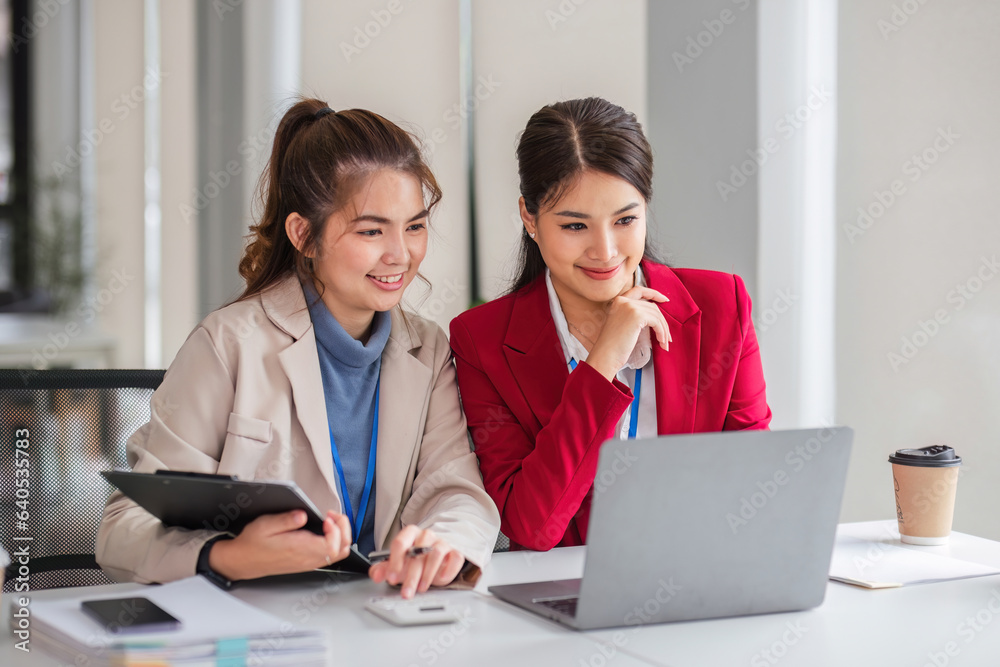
x,y
688,527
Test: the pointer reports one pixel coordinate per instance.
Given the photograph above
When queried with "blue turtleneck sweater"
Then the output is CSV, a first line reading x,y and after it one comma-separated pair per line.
x,y
350,372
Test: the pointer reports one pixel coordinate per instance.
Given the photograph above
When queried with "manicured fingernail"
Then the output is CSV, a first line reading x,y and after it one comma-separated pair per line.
x,y
408,592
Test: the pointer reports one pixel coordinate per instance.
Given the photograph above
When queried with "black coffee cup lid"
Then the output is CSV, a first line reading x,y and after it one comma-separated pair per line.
x,y
935,456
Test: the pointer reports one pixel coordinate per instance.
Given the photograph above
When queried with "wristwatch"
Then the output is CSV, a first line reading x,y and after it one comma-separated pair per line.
x,y
205,570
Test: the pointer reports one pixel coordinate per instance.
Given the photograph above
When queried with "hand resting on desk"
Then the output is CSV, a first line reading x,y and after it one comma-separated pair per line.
x,y
437,568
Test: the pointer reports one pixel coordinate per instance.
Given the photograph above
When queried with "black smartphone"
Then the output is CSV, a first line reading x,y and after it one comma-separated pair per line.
x,y
128,615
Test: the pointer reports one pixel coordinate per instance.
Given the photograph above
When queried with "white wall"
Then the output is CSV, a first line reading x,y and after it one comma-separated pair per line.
x,y
741,188
536,53
901,92
703,119
120,199
121,85
272,58
56,105
796,190
408,71
178,169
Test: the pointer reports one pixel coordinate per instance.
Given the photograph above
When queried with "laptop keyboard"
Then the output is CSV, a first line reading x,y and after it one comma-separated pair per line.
x,y
565,606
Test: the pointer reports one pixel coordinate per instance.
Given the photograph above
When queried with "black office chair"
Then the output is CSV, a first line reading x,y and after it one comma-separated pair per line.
x,y
75,424
503,543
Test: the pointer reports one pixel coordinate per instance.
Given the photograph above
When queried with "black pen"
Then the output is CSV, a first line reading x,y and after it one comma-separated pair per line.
x,y
412,552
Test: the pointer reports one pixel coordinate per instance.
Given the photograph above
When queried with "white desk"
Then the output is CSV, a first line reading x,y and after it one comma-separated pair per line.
x,y
853,627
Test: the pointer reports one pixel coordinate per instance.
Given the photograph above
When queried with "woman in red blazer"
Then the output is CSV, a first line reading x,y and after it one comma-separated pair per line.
x,y
554,369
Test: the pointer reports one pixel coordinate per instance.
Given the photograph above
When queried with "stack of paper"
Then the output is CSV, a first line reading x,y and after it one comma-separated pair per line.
x,y
884,565
216,629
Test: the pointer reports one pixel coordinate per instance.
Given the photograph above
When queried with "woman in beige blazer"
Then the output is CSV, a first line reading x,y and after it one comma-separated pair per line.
x,y
255,391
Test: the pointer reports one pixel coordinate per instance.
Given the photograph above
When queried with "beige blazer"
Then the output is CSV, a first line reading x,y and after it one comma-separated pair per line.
x,y
244,396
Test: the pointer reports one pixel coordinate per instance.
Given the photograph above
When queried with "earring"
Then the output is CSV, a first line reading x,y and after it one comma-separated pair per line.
x,y
530,235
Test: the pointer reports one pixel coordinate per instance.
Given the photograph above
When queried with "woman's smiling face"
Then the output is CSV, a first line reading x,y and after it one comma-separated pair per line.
x,y
592,237
371,248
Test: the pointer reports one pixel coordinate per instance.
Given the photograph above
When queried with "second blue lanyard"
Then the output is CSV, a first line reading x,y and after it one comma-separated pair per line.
x,y
357,520
633,424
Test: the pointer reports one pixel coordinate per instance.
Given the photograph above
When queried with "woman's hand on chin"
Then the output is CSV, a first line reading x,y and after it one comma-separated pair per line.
x,y
278,544
627,316
439,567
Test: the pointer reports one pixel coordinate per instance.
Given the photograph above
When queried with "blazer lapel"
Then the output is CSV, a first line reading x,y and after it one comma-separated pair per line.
x,y
404,387
285,305
534,354
301,364
676,371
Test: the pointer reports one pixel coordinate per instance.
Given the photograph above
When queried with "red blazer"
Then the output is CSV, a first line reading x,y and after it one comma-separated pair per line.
x,y
537,428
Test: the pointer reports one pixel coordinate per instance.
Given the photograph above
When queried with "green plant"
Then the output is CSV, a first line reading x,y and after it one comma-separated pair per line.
x,y
57,234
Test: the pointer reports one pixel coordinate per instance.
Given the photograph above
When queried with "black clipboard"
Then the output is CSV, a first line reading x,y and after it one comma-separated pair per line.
x,y
221,502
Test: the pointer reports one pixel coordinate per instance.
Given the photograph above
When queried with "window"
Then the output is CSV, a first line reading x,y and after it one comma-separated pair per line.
x,y
15,235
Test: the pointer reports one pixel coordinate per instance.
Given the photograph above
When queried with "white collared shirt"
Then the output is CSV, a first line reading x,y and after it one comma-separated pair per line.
x,y
641,357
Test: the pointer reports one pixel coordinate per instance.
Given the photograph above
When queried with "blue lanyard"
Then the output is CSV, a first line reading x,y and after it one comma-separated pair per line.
x,y
356,520
633,423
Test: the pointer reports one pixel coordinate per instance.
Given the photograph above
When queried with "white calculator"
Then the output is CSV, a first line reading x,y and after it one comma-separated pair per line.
x,y
421,610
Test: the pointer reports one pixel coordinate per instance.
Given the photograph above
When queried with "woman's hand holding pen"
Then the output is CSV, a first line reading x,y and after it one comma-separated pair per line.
x,y
627,316
438,567
278,544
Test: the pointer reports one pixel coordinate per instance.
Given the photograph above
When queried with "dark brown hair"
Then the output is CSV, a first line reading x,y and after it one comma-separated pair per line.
x,y
318,160
562,140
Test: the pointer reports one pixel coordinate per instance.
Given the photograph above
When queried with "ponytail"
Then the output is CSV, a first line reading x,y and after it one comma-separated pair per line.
x,y
319,159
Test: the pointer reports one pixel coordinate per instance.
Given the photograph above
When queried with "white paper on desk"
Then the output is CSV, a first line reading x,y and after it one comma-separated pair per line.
x,y
883,565
206,613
